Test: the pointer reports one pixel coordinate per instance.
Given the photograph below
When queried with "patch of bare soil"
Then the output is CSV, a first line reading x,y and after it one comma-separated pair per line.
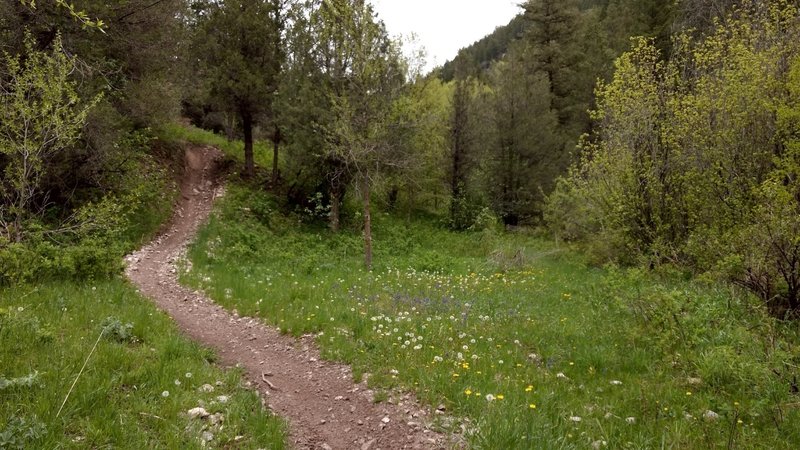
x,y
324,408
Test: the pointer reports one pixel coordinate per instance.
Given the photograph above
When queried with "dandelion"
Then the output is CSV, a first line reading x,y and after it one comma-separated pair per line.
x,y
630,420
532,406
688,393
177,382
468,392
165,394
529,388
455,375
500,396
616,382
188,375
575,419
489,397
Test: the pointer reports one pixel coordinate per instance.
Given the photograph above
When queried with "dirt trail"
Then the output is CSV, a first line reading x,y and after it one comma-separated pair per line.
x,y
324,408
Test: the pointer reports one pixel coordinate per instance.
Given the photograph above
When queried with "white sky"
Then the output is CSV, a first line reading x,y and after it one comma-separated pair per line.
x,y
445,26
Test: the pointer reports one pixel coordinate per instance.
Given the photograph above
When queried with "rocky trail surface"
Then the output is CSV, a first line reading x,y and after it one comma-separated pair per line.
x,y
318,399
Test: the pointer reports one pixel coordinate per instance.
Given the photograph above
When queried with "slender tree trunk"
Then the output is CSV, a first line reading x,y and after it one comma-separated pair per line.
x,y
335,207
247,128
276,140
367,223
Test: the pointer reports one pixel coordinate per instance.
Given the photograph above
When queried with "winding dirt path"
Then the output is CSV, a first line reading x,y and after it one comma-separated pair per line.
x,y
324,408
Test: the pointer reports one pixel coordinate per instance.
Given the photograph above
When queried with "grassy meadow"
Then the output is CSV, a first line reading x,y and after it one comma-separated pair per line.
x,y
524,343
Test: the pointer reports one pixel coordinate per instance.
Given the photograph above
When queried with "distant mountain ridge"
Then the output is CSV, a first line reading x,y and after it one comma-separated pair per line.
x,y
482,53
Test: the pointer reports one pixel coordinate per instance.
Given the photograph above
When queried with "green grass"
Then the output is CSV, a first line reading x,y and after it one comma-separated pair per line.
x,y
137,386
142,378
262,150
569,355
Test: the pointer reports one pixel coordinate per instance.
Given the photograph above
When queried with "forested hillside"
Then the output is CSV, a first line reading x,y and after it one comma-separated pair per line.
x,y
583,231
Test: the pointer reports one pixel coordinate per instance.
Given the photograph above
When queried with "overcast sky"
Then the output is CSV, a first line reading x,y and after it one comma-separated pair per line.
x,y
445,26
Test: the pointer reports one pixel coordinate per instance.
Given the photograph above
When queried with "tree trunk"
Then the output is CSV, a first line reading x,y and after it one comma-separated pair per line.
x,y
276,140
247,128
367,224
335,207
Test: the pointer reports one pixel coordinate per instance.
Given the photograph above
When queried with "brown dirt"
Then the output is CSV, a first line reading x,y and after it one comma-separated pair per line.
x,y
322,405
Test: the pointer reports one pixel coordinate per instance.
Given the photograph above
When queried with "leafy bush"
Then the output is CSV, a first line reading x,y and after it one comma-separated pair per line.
x,y
19,432
117,331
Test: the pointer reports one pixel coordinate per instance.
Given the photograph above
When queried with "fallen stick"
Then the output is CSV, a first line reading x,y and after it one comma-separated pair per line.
x,y
265,380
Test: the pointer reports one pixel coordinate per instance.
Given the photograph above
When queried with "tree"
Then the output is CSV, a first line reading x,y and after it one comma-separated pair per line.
x,y
40,116
240,42
461,143
553,26
521,164
694,159
367,76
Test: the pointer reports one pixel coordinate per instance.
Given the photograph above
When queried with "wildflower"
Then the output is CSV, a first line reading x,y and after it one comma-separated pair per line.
x,y
688,393
188,375
177,382
631,420
560,375
489,397
616,382
532,406
438,359
575,419
468,392
455,375
500,396
165,394
529,388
